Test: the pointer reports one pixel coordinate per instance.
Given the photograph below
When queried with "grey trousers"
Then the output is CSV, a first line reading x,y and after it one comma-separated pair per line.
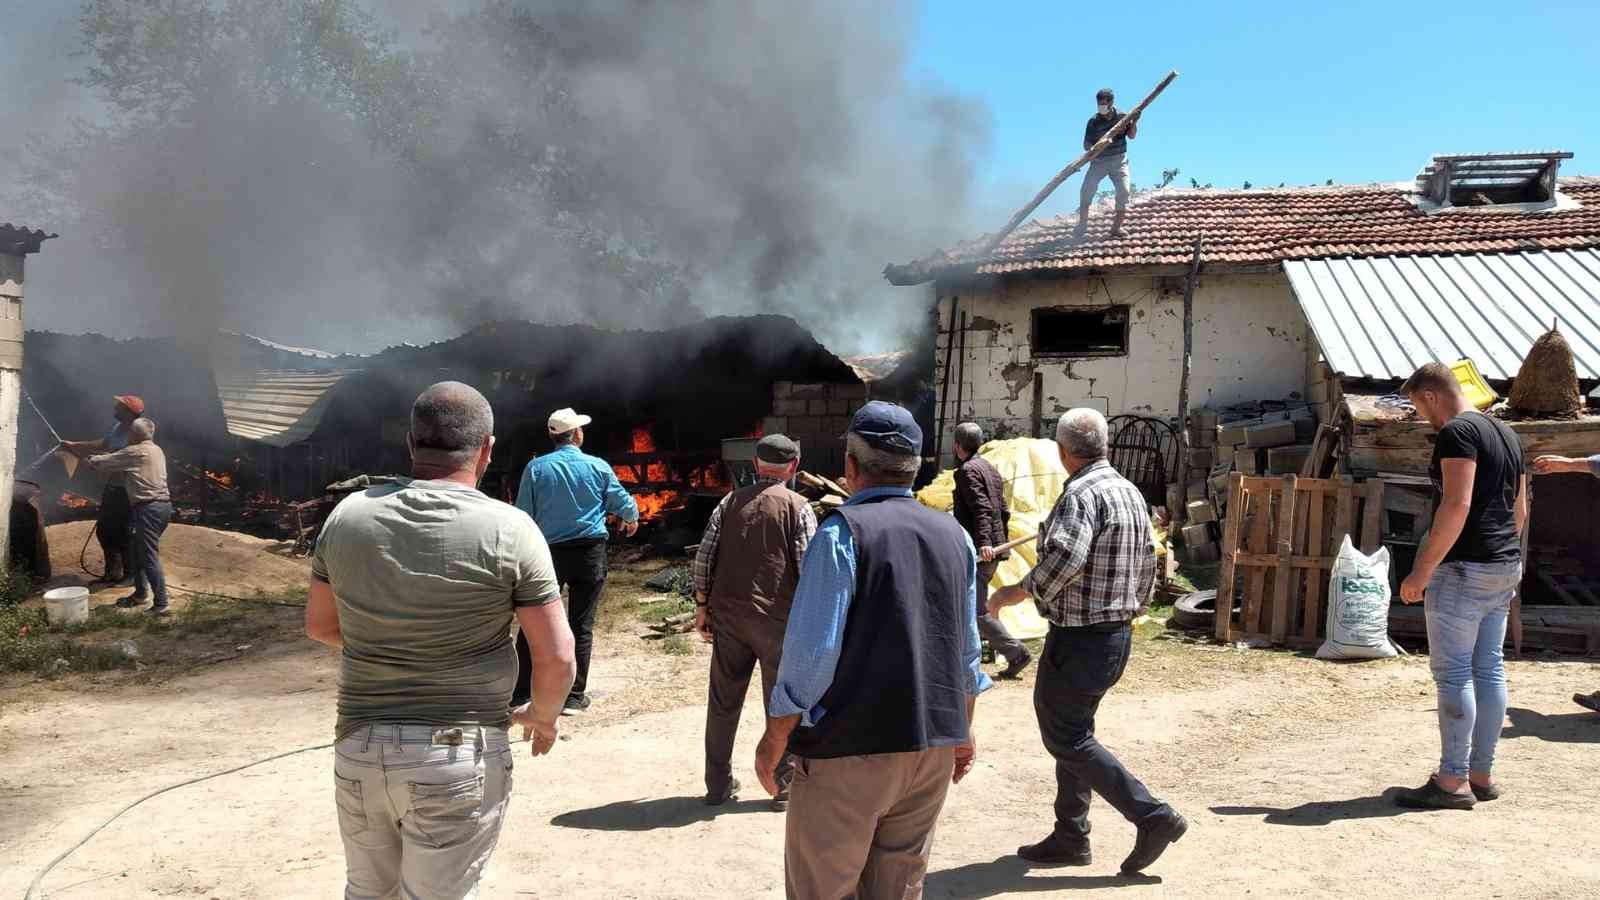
x,y
1108,165
740,642
989,627
862,826
419,817
150,521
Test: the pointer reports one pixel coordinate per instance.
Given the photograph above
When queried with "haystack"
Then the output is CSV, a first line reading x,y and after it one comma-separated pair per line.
x,y
1547,383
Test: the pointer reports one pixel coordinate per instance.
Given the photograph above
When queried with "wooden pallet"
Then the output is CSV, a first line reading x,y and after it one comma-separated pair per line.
x,y
1278,548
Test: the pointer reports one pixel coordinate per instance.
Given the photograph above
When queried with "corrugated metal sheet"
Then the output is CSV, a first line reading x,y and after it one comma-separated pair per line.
x,y
1382,317
278,408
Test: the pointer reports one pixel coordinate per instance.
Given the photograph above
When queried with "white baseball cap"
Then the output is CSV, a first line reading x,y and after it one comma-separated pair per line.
x,y
564,420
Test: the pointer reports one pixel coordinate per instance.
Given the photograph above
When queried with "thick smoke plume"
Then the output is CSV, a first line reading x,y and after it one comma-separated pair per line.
x,y
350,176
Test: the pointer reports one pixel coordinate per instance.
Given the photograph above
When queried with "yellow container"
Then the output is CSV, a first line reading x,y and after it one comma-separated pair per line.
x,y
1473,387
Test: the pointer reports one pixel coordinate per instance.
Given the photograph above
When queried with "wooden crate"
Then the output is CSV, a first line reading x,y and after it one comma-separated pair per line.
x,y
1278,547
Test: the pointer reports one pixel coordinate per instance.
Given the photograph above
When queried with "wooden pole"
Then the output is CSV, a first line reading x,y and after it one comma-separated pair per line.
x,y
949,360
961,368
1038,404
1181,513
1087,157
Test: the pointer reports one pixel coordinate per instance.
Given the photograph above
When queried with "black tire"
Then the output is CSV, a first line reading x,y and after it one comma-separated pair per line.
x,y
1197,611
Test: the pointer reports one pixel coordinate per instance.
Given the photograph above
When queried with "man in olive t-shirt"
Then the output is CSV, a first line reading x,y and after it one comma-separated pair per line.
x,y
417,583
1466,572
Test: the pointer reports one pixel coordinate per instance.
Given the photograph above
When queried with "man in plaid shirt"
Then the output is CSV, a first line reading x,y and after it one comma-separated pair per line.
x,y
1096,566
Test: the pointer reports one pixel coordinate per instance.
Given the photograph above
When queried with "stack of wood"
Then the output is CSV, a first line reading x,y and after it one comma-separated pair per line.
x,y
824,493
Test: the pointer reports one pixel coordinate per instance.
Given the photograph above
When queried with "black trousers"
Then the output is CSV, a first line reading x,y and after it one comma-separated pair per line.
x,y
112,529
989,627
741,641
581,569
1078,667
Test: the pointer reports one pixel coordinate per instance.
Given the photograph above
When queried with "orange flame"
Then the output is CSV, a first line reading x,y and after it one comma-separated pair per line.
x,y
643,442
220,479
651,506
75,501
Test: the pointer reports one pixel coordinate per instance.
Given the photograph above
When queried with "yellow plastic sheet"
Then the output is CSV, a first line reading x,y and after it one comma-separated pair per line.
x,y
1034,479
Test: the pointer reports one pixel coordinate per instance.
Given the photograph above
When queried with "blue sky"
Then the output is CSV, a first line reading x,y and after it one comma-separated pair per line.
x,y
1270,92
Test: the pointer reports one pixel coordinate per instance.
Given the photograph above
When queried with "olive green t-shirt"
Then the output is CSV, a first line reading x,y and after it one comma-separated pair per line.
x,y
426,576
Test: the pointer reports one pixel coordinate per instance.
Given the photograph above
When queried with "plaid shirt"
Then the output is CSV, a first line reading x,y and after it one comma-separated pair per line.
x,y
705,558
1097,561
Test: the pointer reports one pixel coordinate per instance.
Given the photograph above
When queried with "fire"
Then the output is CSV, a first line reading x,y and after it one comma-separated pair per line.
x,y
651,506
654,473
220,479
75,501
643,442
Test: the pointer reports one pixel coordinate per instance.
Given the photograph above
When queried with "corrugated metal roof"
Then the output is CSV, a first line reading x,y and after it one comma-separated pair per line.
x,y
275,407
1382,317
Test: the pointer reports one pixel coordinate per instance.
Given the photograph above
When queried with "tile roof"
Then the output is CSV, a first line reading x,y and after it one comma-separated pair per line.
x,y
1266,227
19,239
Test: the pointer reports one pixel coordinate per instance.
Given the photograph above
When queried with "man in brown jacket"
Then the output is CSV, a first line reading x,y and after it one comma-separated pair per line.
x,y
981,510
744,578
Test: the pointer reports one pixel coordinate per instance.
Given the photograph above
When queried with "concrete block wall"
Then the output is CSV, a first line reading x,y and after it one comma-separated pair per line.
x,y
816,415
1251,342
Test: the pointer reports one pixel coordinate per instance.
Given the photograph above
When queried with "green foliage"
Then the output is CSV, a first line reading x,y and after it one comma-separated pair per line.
x,y
677,645
15,585
28,644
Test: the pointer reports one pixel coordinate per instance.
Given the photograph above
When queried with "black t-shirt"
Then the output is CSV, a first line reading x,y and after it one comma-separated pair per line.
x,y
1490,534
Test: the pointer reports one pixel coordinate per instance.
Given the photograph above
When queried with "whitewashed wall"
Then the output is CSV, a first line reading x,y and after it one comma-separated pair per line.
x,y
1251,342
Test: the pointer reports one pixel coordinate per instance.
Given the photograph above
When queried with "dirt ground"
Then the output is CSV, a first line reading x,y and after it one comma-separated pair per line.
x,y
1281,763
194,559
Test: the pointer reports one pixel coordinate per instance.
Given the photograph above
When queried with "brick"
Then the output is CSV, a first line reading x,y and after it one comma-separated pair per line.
x,y
838,406
1199,533
782,389
848,392
1200,512
1197,490
1233,434
1318,393
809,391
1202,457
775,425
1202,436
1287,460
1271,434
1247,461
1201,554
788,406
817,406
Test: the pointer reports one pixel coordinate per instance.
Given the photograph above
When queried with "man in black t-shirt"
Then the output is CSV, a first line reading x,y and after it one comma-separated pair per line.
x,y
1112,163
1466,572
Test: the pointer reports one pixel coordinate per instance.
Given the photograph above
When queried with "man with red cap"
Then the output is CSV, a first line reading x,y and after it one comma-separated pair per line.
x,y
114,524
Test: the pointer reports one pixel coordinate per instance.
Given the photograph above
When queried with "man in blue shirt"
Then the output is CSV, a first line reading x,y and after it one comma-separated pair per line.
x,y
569,493
879,679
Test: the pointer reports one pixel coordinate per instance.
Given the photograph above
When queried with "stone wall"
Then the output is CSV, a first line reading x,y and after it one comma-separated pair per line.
x,y
816,415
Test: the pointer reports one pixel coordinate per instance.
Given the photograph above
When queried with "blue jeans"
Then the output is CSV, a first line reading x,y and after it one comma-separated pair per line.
x,y
1466,607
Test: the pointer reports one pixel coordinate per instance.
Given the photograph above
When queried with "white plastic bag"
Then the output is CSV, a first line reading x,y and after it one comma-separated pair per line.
x,y
1358,606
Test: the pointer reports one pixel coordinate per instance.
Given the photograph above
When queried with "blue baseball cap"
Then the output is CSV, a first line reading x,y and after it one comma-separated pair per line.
x,y
888,427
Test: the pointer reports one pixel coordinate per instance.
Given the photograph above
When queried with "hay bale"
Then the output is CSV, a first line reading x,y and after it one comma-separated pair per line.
x,y
1547,383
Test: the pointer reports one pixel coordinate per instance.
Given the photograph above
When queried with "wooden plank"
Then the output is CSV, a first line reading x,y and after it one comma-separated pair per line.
x,y
1275,482
1260,503
1372,517
1343,512
1230,552
1311,620
1284,535
1556,588
1270,560
1302,514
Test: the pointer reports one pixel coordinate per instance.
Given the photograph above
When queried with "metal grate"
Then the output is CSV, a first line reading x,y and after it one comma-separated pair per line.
x,y
1486,179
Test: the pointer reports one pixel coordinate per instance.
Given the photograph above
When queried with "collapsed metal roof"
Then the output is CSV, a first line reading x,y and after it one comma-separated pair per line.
x,y
276,407
20,239
1382,317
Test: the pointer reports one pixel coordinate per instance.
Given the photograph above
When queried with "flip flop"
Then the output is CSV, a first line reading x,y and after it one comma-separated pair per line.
x,y
1588,701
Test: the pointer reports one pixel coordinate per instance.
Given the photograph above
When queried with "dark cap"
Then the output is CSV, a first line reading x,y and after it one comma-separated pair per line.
x,y
1105,94
777,449
888,427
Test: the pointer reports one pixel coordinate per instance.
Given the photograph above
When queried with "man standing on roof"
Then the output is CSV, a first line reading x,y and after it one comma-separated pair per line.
x,y
569,493
744,579
113,522
1112,163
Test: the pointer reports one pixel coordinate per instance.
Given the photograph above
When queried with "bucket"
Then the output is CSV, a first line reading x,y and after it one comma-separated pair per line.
x,y
67,606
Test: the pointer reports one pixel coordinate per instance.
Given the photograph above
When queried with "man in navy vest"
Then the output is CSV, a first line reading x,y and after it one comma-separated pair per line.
x,y
1096,567
879,678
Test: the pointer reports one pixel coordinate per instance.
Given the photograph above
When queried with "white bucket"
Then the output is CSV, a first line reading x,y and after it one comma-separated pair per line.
x,y
67,605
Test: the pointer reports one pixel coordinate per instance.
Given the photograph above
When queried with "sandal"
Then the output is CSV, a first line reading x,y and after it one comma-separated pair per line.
x,y
1588,701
